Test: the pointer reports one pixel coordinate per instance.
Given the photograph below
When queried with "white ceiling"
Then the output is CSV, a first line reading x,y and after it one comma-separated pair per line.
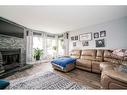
x,y
59,19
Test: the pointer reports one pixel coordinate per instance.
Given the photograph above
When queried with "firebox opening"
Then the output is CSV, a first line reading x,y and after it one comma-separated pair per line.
x,y
10,58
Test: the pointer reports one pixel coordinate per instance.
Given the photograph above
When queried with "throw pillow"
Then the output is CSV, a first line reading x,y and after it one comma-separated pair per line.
x,y
4,84
120,52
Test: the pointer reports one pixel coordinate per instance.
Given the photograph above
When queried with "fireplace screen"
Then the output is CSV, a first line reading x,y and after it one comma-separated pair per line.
x,y
10,58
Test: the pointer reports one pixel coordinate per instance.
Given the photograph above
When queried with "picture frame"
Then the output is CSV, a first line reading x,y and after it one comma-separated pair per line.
x,y
76,37
96,35
100,43
74,44
85,37
103,33
72,38
85,43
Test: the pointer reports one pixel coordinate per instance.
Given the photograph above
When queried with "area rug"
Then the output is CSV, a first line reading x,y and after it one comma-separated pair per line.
x,y
46,81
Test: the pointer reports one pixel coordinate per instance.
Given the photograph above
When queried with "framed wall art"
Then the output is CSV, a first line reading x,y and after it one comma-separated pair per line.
x,y
103,33
100,43
85,37
85,43
74,44
96,35
76,37
72,38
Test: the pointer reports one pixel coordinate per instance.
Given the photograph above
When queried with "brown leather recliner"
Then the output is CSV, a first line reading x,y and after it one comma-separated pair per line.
x,y
90,60
112,78
111,58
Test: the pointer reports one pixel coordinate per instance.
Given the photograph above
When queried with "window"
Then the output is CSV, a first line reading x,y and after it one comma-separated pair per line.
x,y
37,42
51,47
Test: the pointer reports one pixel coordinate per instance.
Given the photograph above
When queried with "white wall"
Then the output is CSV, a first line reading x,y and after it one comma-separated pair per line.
x,y
116,35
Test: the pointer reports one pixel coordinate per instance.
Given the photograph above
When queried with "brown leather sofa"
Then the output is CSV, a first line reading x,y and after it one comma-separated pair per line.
x,y
105,63
90,60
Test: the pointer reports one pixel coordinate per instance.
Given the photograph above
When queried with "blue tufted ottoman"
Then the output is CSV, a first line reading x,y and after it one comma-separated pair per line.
x,y
64,64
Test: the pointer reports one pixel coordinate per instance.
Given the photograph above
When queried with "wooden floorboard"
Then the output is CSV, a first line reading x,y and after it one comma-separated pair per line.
x,y
80,76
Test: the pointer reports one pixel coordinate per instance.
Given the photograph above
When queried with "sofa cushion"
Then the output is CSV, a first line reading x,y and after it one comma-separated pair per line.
x,y
85,63
100,53
106,65
100,59
4,84
108,54
88,52
75,53
96,66
94,55
87,58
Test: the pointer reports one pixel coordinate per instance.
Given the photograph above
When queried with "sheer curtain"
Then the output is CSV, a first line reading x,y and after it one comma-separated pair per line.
x,y
29,46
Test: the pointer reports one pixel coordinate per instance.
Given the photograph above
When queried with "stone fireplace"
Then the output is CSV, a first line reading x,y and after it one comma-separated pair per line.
x,y
12,52
13,42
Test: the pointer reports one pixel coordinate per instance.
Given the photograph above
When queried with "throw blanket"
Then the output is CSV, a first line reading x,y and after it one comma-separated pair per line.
x,y
120,52
63,61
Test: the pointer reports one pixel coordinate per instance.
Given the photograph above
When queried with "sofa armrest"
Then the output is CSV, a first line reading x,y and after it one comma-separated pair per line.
x,y
106,66
119,76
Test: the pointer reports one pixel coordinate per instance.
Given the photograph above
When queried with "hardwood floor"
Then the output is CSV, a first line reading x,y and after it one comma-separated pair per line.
x,y
80,76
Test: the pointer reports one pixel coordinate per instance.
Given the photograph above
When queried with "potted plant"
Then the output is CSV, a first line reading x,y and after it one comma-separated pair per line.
x,y
37,53
54,48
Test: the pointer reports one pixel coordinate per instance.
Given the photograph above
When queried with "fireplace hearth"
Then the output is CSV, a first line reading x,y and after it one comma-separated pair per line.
x,y
10,62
